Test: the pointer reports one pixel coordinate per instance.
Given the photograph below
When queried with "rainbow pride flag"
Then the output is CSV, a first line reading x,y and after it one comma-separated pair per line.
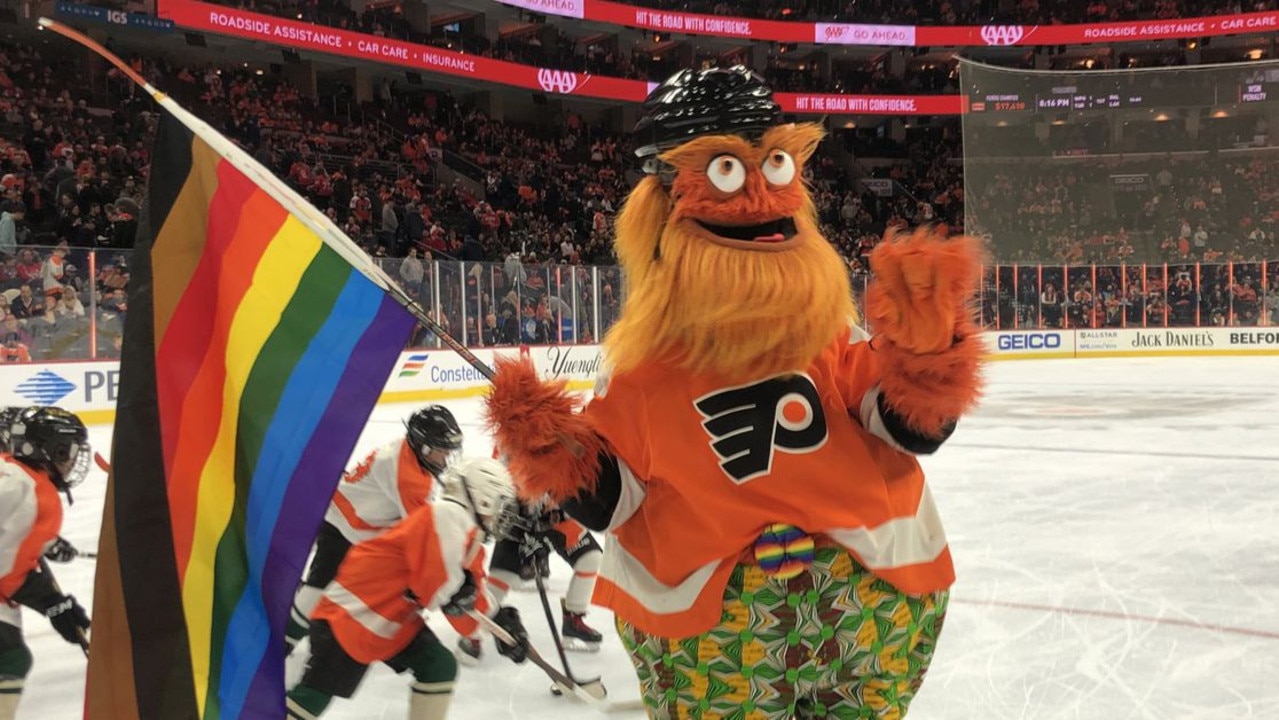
x,y
254,353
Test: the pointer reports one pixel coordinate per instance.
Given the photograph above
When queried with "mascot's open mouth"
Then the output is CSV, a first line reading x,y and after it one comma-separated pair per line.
x,y
773,231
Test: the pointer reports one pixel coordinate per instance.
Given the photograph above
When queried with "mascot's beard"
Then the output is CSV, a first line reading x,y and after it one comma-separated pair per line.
x,y
739,314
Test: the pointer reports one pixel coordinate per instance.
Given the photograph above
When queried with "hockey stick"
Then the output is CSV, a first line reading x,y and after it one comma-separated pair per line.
x,y
560,679
438,331
555,633
500,633
53,581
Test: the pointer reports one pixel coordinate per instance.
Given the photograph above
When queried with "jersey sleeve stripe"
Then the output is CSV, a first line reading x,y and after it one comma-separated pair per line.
x,y
358,611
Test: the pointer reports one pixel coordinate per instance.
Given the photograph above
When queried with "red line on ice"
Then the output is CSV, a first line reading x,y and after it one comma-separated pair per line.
x,y
1250,632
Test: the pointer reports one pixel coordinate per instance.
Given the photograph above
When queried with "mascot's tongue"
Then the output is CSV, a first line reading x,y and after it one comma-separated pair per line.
x,y
775,237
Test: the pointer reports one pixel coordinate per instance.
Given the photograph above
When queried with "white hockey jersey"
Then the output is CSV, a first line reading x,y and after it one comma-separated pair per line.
x,y
30,520
381,491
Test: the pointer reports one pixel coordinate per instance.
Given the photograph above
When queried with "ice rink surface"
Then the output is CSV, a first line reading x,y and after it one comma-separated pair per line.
x,y
1115,526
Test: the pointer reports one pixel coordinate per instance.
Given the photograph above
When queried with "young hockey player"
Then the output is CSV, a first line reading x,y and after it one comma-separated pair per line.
x,y
60,551
393,481
49,453
372,610
524,551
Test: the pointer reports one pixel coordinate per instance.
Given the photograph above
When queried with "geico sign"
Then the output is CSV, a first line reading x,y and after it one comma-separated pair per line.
x,y
1030,341
1002,34
557,81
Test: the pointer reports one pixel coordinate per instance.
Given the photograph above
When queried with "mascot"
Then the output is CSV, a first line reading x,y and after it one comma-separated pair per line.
x,y
773,549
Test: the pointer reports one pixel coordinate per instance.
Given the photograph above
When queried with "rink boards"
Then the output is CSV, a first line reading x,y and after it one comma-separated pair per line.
x,y
1133,342
90,387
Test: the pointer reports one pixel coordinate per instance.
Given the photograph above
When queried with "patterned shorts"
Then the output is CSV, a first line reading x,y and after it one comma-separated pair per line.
x,y
833,642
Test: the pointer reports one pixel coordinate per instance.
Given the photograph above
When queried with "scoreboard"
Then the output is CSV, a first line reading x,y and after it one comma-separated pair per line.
x,y
1055,101
1077,99
1089,101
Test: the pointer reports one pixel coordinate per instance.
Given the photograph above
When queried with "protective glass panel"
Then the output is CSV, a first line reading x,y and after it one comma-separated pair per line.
x,y
1112,166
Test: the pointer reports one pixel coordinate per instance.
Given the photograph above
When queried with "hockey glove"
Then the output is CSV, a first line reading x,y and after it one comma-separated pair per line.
x,y
463,601
509,620
61,551
69,619
535,546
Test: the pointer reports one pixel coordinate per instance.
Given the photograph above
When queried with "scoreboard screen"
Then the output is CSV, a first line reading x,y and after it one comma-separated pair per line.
x,y
1075,99
1085,101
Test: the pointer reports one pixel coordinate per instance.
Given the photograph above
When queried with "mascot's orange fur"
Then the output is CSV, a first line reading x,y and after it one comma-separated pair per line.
x,y
704,303
748,441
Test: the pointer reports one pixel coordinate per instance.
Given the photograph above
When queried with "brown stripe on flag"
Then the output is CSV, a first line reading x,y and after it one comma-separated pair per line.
x,y
180,214
111,683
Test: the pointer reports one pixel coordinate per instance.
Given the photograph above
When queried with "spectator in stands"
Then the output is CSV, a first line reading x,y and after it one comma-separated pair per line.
x,y
69,305
9,220
14,349
12,328
1050,303
44,332
390,224
411,273
27,304
53,270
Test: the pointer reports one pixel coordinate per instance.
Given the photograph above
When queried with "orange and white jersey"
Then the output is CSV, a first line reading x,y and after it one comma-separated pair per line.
x,y
574,533
374,603
30,520
382,490
706,466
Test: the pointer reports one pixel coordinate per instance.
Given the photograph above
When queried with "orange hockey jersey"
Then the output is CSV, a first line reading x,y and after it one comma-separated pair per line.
x,y
374,604
706,466
30,520
382,490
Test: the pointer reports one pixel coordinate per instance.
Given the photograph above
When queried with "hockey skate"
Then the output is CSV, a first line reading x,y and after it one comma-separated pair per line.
x,y
469,651
577,634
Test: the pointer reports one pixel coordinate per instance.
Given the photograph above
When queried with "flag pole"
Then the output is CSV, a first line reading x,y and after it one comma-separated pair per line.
x,y
289,199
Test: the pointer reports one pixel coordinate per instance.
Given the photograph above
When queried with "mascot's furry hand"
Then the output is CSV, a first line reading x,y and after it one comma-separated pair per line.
x,y
919,307
550,447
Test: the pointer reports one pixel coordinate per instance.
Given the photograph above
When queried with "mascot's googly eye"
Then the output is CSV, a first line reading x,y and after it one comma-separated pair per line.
x,y
726,173
779,168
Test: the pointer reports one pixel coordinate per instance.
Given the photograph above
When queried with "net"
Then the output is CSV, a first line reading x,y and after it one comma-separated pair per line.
x,y
1121,167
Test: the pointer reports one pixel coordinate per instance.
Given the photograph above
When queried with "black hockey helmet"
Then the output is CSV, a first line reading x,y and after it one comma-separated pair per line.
x,y
8,416
430,429
692,103
53,440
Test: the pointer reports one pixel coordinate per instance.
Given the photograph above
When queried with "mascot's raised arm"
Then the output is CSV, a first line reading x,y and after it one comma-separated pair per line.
x,y
774,550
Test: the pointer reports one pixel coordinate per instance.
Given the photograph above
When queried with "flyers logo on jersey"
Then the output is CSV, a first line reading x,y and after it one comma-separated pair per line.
x,y
749,424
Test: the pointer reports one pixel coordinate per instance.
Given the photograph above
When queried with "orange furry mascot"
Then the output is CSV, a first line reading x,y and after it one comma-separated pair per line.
x,y
774,550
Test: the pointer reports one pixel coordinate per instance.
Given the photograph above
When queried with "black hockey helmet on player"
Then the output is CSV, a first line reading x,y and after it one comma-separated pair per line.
x,y
53,440
435,437
484,486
